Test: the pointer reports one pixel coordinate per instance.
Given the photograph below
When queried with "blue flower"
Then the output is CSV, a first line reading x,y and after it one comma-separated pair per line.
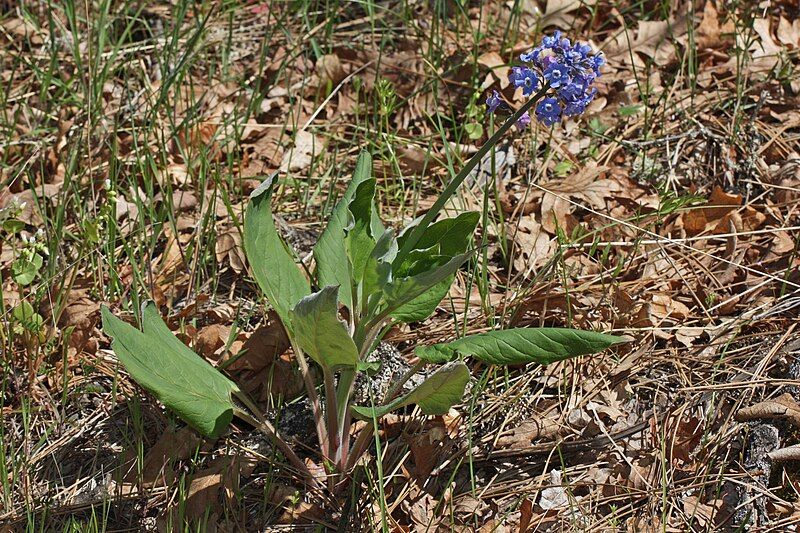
x,y
532,56
493,101
523,121
525,78
573,90
568,71
578,105
557,74
548,111
552,40
597,62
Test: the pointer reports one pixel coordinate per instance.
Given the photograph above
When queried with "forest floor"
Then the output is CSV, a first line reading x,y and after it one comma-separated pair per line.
x,y
668,213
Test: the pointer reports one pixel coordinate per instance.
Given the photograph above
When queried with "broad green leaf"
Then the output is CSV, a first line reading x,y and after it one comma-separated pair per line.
x,y
12,225
425,304
24,270
359,239
274,268
520,345
329,254
320,332
182,380
435,396
474,130
451,236
27,317
378,267
403,290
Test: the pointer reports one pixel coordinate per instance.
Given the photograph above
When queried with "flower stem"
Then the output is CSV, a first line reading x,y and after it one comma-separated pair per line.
x,y
419,229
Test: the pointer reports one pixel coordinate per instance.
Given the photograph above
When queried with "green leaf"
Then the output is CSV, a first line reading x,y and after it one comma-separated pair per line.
x,y
182,380
520,345
274,268
425,304
628,110
12,225
435,396
320,332
448,237
24,270
27,316
562,168
452,236
359,239
403,290
329,254
378,267
474,130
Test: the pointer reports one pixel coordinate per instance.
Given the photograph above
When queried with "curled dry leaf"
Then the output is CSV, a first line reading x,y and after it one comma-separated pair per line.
x,y
229,246
782,455
784,407
306,147
330,70
522,436
211,340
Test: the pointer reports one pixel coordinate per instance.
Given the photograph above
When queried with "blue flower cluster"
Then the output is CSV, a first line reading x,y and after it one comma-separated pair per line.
x,y
568,71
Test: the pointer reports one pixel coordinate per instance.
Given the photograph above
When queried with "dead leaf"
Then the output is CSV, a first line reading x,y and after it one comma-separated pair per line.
x,y
765,52
330,71
704,513
491,60
184,200
299,157
789,32
583,185
782,455
533,247
211,339
208,488
560,13
663,306
555,496
229,247
264,368
523,436
426,449
295,509
526,515
651,42
263,347
713,216
783,407
708,31
173,445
